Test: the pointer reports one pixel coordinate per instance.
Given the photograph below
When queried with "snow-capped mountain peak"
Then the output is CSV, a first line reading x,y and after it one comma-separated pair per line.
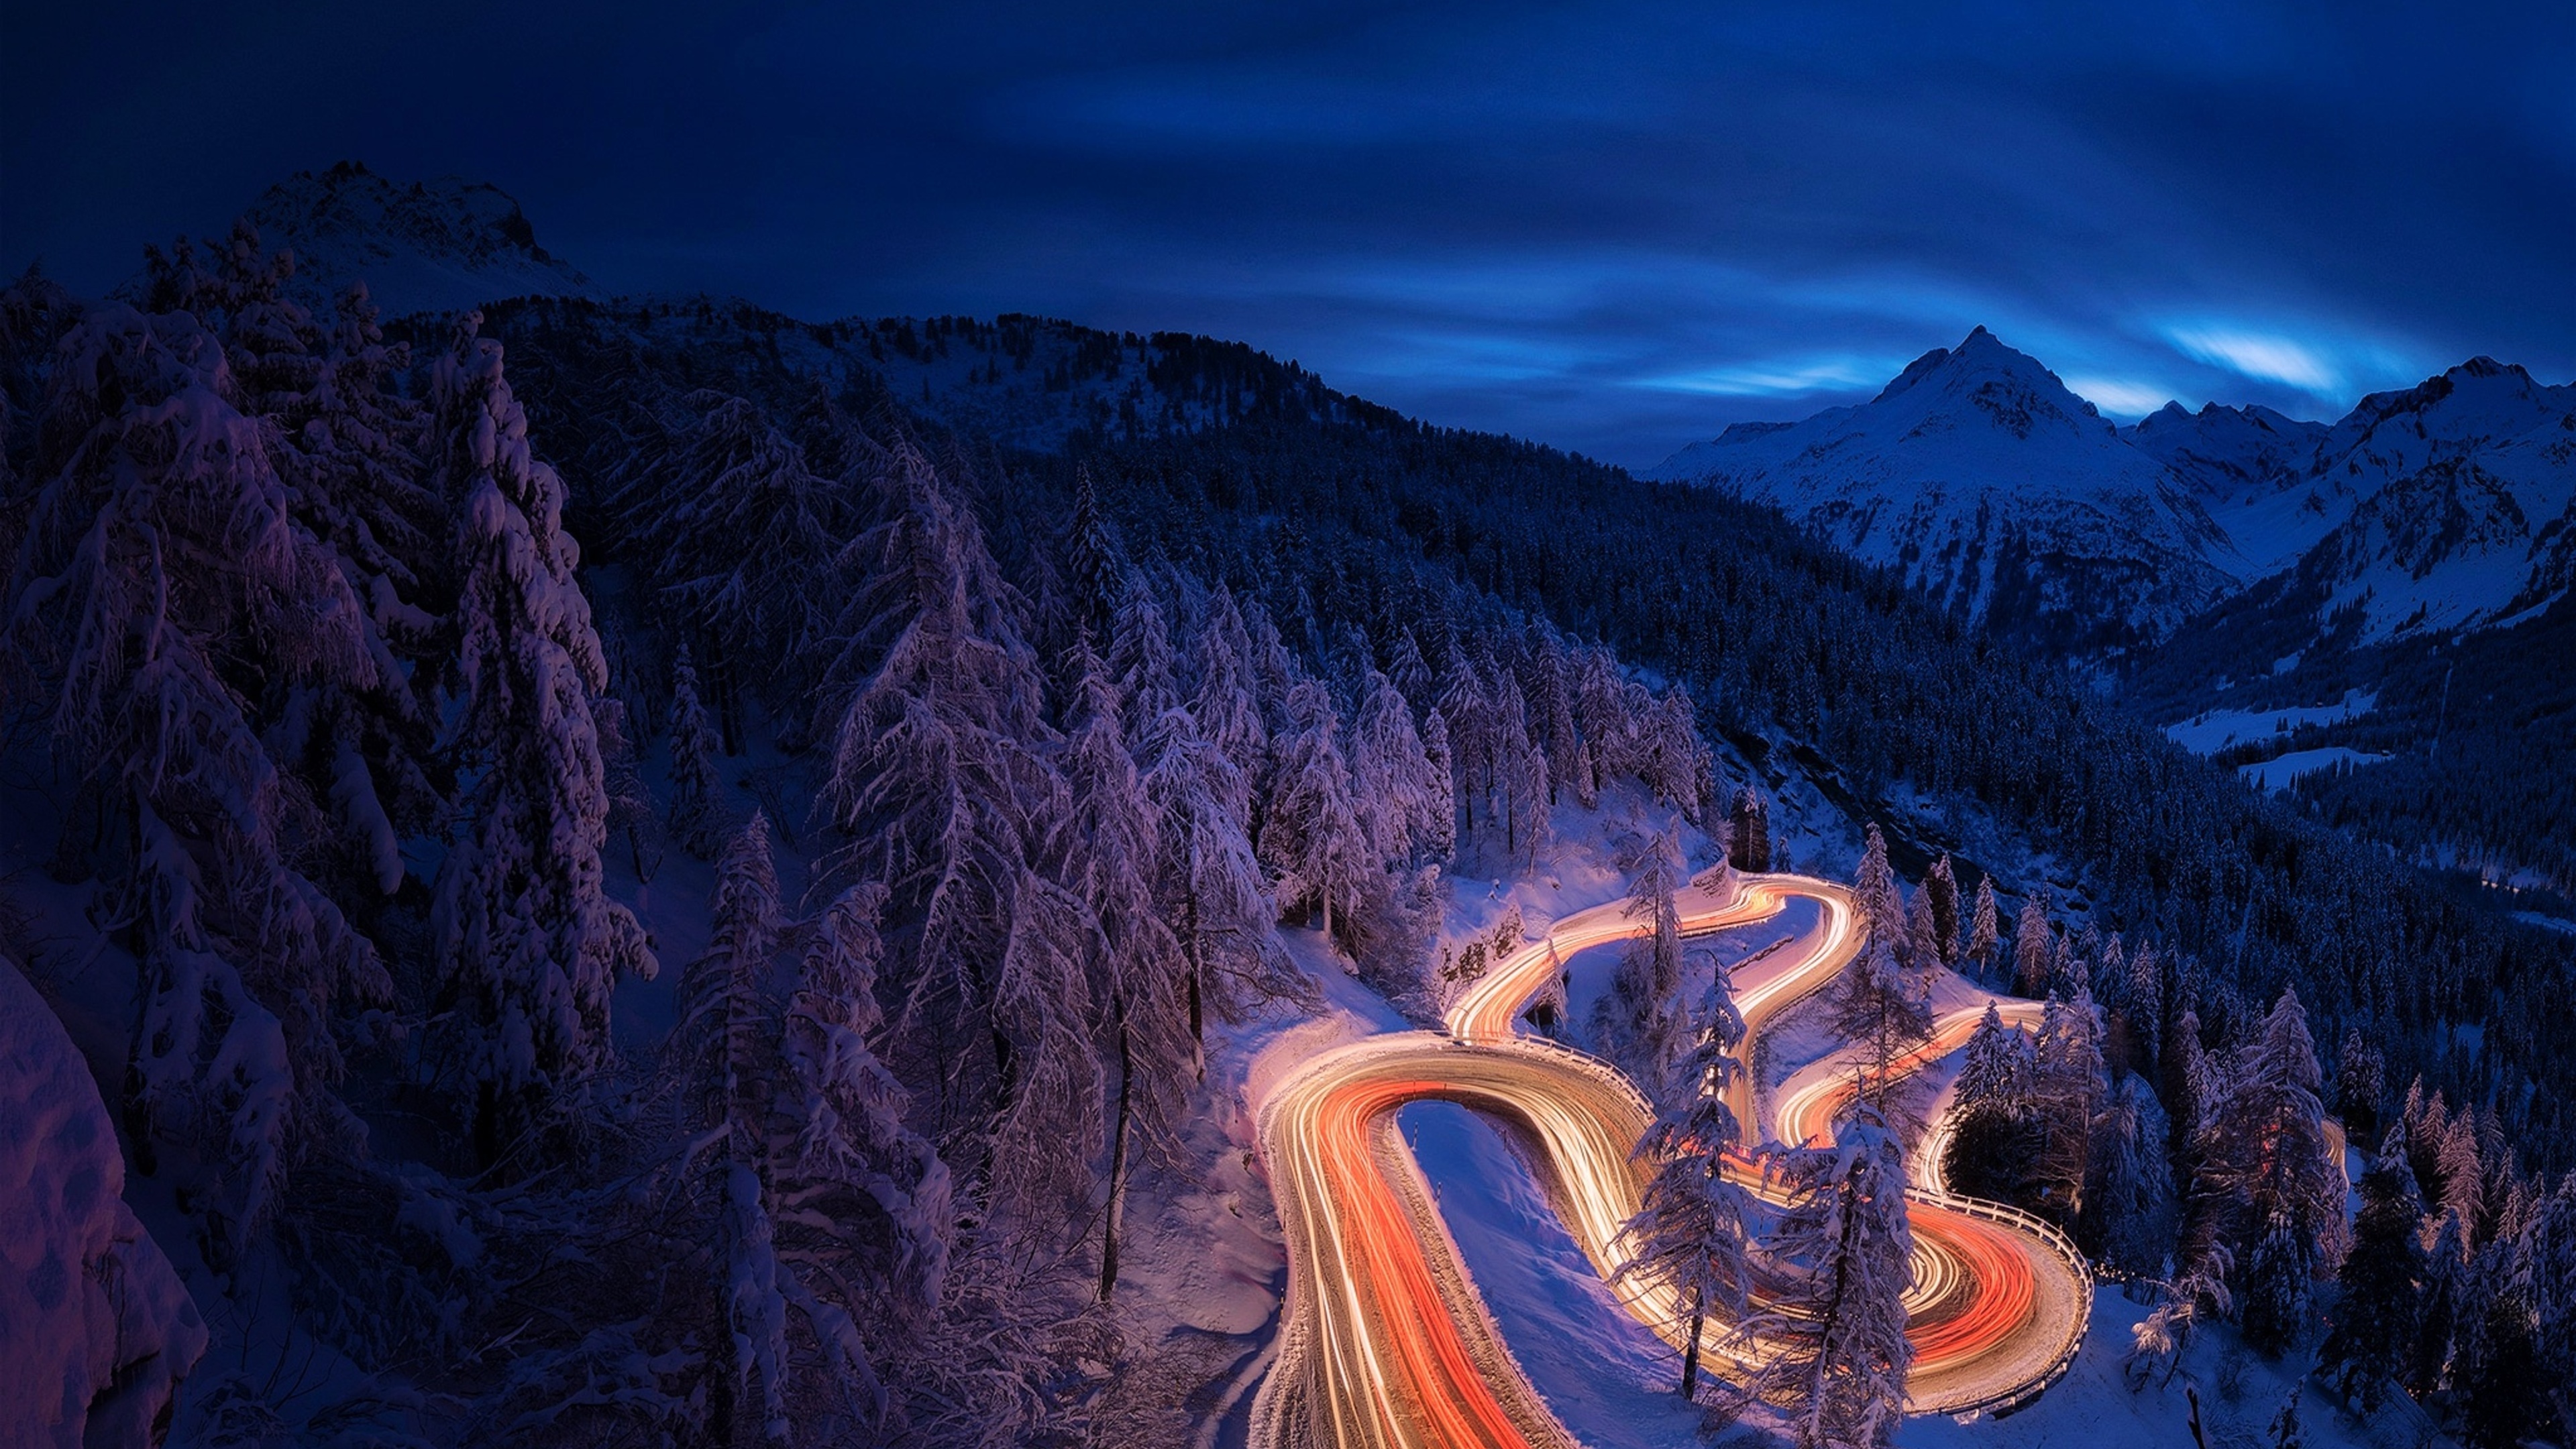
x,y
439,245
1996,488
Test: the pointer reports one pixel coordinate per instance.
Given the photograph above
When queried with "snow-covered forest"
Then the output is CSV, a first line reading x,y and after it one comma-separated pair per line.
x,y
373,688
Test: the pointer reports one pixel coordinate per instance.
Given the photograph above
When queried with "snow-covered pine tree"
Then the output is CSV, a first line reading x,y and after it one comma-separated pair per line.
x,y
2034,947
941,782
1109,852
1551,695
1313,844
1688,1234
1749,843
864,1215
697,815
1472,732
1440,797
727,1051
1921,947
1846,1251
1224,700
1410,672
1993,1142
1982,938
1880,1005
2128,1221
1674,760
1400,805
2437,1316
2146,996
1941,891
164,590
1141,658
2361,1080
1094,562
2463,1175
738,535
528,942
2263,1153
2375,1319
1642,1016
1210,886
1523,788
2067,1092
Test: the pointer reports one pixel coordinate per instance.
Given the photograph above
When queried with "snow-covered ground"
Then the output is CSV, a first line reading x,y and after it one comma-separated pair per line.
x,y
2213,730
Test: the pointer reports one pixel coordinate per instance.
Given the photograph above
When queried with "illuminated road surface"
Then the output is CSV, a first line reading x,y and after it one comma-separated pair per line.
x,y
1385,1343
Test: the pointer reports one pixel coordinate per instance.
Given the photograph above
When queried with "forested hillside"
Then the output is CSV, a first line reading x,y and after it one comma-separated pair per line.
x,y
357,677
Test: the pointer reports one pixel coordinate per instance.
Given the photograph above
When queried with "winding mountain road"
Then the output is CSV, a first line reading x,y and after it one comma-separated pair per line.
x,y
1384,1342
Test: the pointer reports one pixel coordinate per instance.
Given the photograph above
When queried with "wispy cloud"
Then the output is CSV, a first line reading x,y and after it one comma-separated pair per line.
x,y
1783,377
2264,355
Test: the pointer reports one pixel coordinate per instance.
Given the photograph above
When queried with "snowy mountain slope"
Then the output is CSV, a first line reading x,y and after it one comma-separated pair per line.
x,y
2251,467
1997,490
440,245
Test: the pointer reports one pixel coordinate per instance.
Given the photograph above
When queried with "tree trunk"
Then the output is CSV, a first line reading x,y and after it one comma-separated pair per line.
x,y
1690,1353
1117,1166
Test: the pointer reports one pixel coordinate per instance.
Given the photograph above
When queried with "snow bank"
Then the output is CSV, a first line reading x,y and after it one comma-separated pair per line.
x,y
95,1329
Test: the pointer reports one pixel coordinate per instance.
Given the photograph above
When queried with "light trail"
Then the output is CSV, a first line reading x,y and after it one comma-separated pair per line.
x,y
1384,1341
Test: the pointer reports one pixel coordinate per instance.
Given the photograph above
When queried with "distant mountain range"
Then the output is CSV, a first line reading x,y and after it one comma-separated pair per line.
x,y
2000,492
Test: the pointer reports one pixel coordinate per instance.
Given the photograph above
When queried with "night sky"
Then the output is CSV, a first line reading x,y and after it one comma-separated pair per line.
x,y
1610,227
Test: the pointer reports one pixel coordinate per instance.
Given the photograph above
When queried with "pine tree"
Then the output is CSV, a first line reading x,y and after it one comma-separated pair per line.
x,y
2146,996
1993,1142
2067,1092
859,1185
2263,1153
1921,948
2286,1431
939,778
528,942
2129,1213
697,789
1313,844
1223,699
1391,780
1688,1234
738,535
1843,1355
2375,1322
2463,1175
1750,837
1141,659
1981,931
1879,1004
1110,854
1641,1017
1440,791
2034,948
728,1053
1941,891
2437,1324
2360,1082
2503,1398
1210,887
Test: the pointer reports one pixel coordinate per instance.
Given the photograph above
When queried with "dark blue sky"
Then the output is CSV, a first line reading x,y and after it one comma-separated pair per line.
x,y
1614,227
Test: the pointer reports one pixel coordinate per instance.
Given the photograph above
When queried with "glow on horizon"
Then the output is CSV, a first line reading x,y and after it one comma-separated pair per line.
x,y
1783,378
